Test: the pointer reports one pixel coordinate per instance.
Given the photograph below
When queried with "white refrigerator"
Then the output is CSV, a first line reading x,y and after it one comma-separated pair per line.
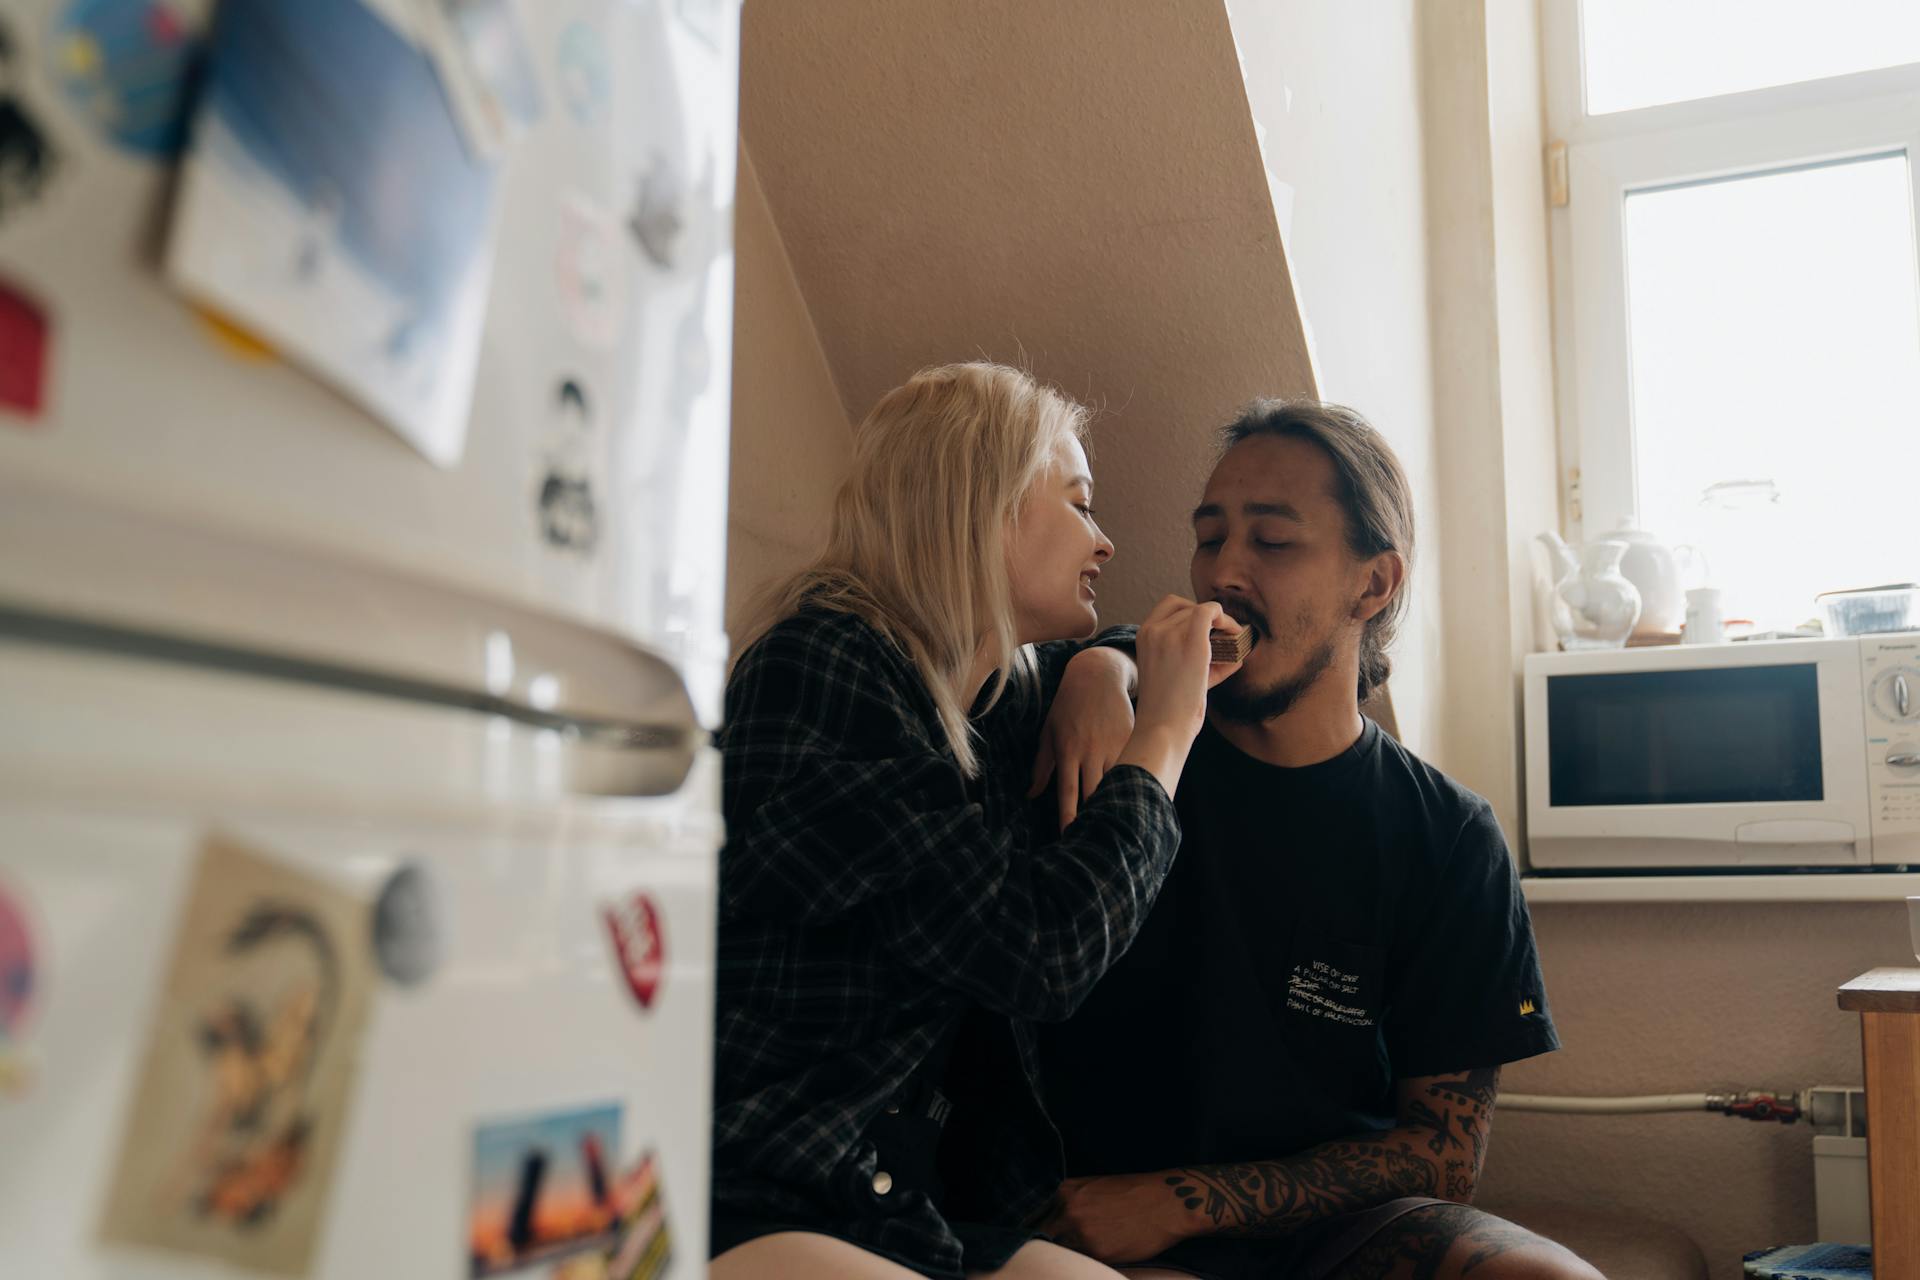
x,y
363,450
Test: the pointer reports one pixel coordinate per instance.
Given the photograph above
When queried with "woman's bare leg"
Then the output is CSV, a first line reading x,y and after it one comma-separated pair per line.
x,y
1040,1260
803,1255
808,1255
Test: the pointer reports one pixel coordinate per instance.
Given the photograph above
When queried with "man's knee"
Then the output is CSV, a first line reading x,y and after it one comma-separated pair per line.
x,y
1485,1247
1455,1242
1543,1260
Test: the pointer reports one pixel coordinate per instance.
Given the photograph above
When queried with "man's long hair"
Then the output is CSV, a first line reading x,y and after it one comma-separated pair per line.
x,y
1372,489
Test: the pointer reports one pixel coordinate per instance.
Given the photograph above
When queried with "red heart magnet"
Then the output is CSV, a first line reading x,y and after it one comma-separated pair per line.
x,y
640,944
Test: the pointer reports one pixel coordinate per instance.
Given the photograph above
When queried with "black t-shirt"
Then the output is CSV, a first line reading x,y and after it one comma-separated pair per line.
x,y
1324,931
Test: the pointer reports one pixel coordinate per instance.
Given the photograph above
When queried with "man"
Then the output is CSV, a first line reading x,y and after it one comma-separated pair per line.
x,y
1293,1071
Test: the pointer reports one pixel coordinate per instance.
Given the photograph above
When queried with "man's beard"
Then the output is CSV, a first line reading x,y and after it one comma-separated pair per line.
x,y
1236,700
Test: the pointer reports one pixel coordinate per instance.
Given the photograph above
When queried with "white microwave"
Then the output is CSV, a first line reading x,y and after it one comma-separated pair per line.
x,y
1783,754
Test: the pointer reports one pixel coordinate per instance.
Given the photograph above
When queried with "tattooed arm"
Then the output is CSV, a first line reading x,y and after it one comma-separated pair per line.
x,y
1435,1150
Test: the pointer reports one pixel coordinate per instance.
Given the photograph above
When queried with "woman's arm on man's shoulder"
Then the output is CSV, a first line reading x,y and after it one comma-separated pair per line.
x,y
836,796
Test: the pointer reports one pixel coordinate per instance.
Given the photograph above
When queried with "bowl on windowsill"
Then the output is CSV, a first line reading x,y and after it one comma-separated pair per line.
x,y
1868,611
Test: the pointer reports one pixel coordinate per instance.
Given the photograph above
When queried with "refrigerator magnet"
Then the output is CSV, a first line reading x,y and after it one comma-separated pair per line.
x,y
639,945
27,158
19,988
481,54
569,518
232,339
655,222
645,1238
408,925
340,217
588,267
541,1189
230,1141
130,67
585,80
26,337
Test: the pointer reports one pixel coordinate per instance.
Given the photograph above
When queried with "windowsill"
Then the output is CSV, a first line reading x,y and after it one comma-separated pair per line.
x,y
1843,886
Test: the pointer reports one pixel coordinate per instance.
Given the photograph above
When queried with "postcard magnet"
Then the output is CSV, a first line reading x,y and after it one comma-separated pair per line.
x,y
541,1188
230,1139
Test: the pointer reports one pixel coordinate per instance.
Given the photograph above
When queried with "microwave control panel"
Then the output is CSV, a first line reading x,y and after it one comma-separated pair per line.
x,y
1890,669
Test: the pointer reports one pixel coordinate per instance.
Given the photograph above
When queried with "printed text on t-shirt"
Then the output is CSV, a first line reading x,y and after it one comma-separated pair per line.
x,y
1321,990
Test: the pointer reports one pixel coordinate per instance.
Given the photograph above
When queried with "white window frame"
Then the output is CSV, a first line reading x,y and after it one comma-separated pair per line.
x,y
1789,126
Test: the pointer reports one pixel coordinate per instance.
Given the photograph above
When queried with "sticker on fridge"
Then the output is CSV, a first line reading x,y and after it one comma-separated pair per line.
x,y
655,222
569,518
639,945
231,1135
25,337
19,990
542,1188
586,84
330,205
590,272
27,158
130,68
644,1247
232,339
486,68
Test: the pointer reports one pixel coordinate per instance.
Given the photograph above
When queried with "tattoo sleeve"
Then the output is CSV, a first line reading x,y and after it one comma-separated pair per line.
x,y
1436,1150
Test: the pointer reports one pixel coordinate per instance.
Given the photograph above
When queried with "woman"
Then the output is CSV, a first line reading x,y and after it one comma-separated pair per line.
x,y
880,885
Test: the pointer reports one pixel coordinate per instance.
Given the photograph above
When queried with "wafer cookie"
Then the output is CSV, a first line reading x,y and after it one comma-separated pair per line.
x,y
1231,648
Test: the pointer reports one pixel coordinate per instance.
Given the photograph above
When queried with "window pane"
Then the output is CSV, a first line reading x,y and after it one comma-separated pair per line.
x,y
1640,53
1775,348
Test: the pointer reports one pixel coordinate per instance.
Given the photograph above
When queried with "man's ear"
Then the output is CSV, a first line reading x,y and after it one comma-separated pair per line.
x,y
1382,577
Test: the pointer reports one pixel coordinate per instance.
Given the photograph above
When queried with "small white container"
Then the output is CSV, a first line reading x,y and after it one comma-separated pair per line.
x,y
1705,623
1872,610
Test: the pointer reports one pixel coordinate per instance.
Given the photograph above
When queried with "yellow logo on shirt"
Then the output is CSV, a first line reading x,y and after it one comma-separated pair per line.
x,y
1526,1007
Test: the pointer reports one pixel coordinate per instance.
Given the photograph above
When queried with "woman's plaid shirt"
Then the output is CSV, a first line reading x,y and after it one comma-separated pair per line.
x,y
871,895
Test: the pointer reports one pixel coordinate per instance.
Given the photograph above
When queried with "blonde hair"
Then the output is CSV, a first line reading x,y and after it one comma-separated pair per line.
x,y
918,545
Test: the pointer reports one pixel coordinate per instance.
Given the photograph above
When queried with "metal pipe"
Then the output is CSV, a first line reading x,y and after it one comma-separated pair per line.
x,y
1642,1105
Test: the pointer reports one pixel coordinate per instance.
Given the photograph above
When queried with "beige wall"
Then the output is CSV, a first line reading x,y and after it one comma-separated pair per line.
x,y
1042,184
791,439
1669,998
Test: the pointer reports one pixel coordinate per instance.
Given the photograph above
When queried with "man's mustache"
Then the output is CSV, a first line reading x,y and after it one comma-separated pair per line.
x,y
1244,613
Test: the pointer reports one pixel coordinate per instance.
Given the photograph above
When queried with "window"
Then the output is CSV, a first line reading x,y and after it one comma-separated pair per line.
x,y
1737,294
1645,53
